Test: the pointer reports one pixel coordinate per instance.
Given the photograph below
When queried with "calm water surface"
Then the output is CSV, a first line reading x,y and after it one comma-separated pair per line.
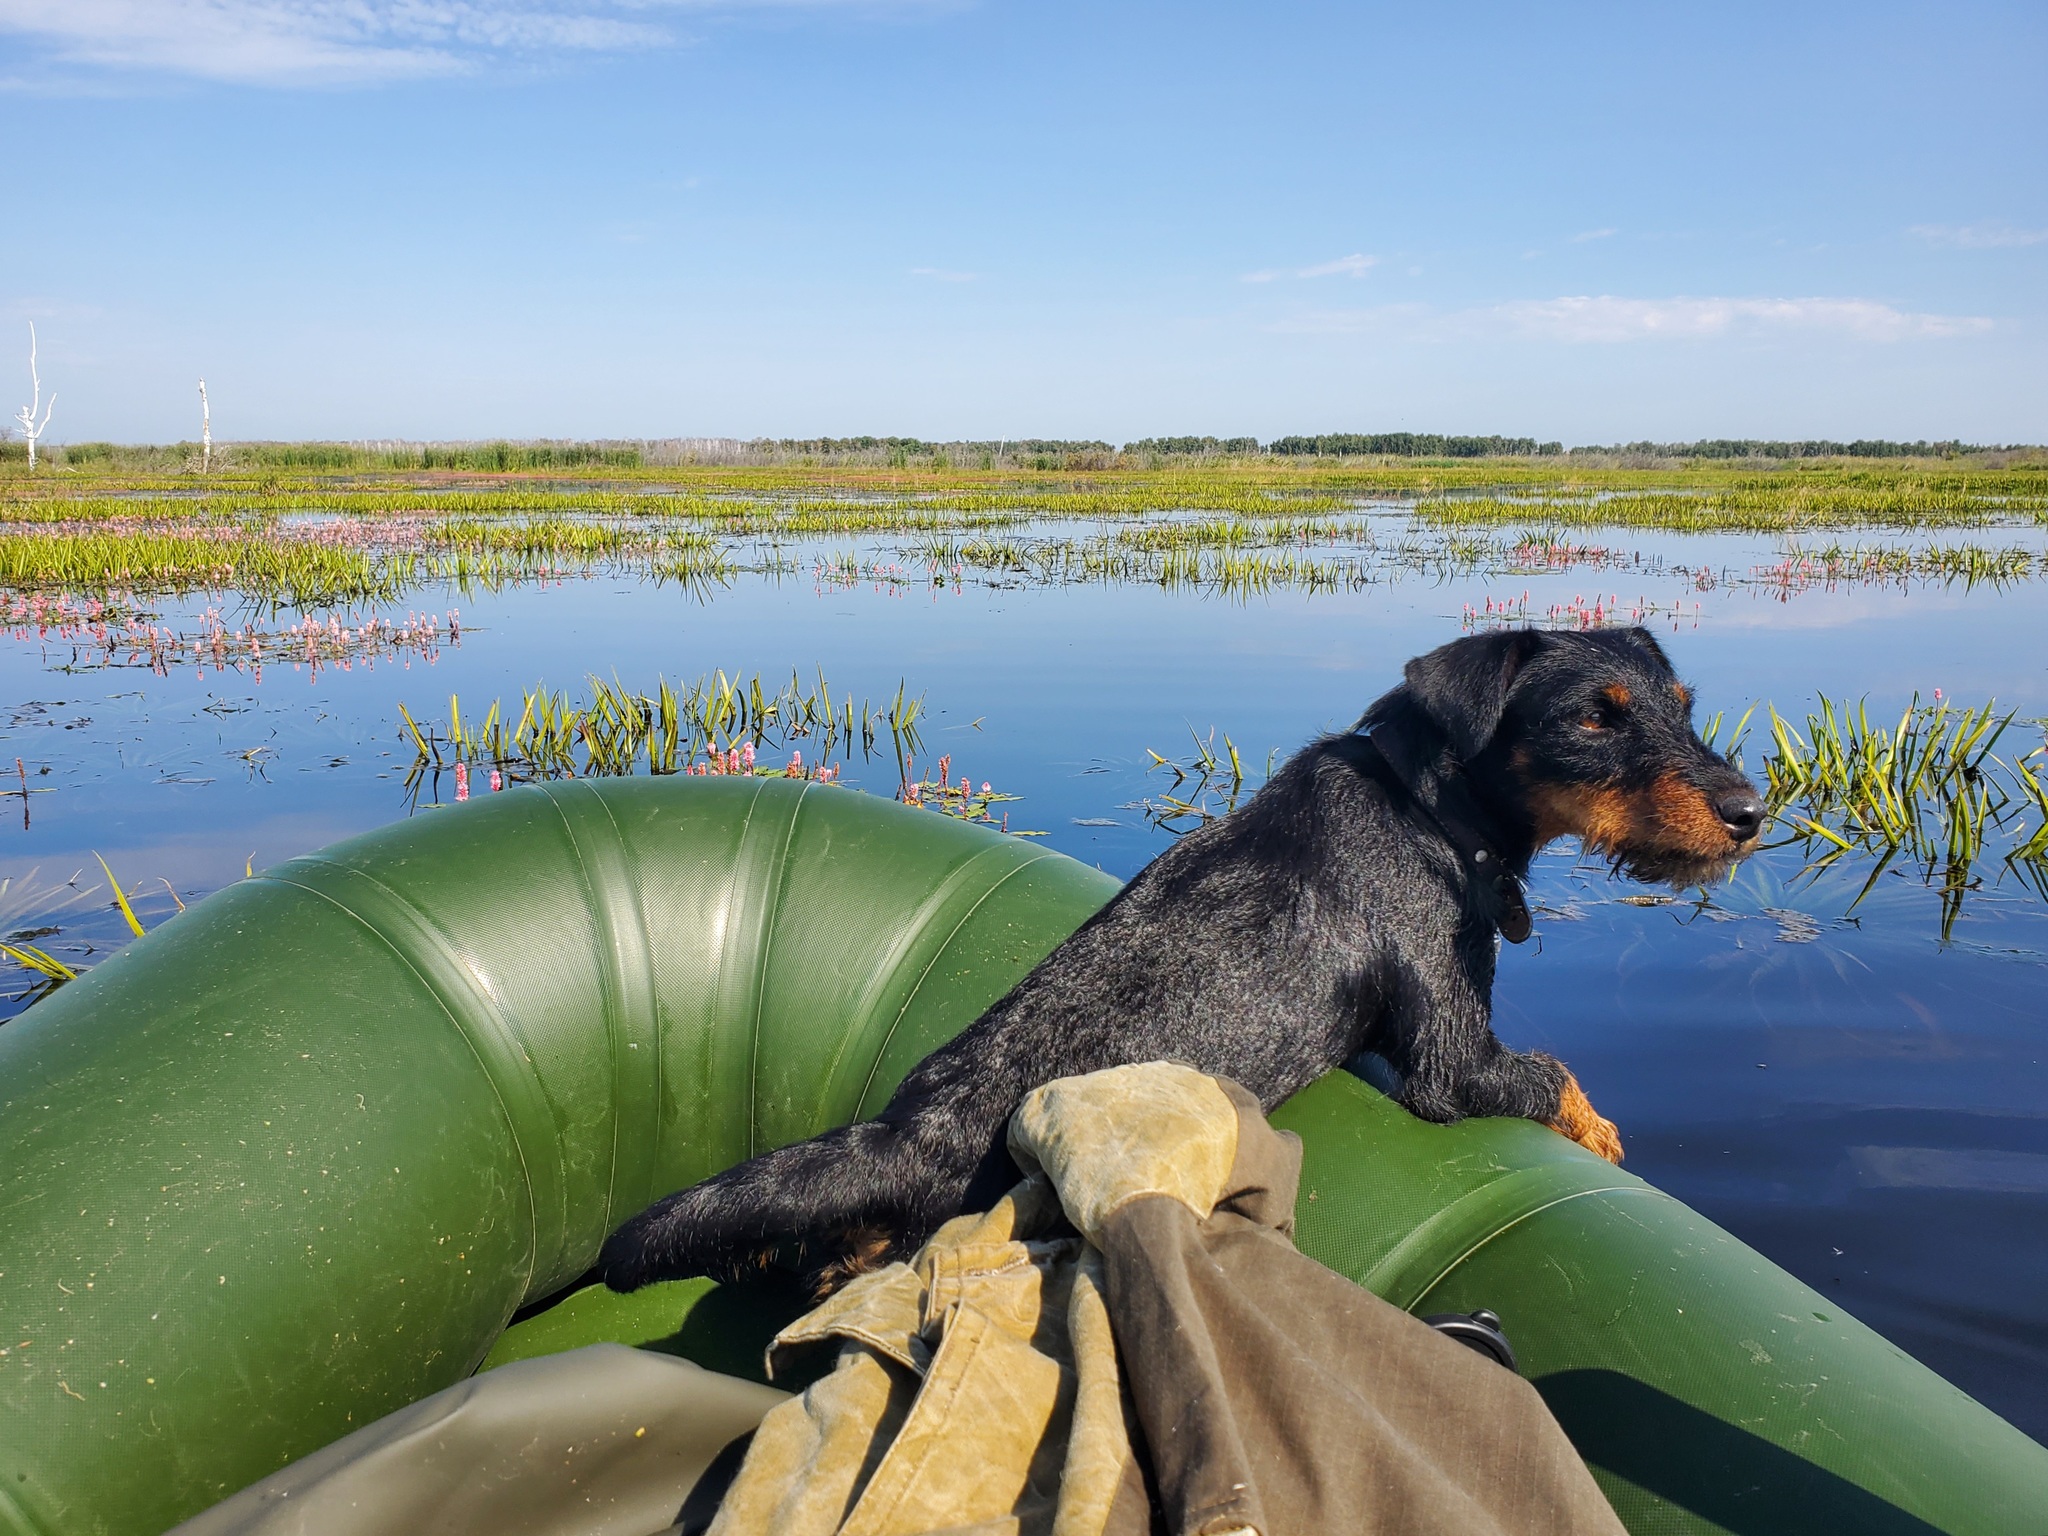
x,y
1862,1100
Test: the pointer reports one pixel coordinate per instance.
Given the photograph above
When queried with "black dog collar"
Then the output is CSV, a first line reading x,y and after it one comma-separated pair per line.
x,y
1456,815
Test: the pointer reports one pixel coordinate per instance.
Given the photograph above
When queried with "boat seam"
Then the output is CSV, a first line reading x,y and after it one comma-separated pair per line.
x,y
618,985
482,1058
780,873
895,1024
1538,1210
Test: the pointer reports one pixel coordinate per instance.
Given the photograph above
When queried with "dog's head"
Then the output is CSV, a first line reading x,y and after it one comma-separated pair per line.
x,y
1591,734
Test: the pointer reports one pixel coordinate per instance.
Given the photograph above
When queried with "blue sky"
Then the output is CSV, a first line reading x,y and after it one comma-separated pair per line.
x,y
579,218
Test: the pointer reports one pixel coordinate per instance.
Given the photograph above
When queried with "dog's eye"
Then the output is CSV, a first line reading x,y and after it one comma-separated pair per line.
x,y
1594,720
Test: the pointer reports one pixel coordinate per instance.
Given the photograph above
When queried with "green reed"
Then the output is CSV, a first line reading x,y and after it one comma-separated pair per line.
x,y
300,573
1789,504
45,902
1704,495
618,731
1969,564
1929,790
1205,772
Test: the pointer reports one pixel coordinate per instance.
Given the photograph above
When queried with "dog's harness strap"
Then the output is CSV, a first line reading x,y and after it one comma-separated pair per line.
x,y
1455,815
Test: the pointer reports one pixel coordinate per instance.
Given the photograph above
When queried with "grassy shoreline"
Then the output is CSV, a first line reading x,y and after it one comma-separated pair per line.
x,y
1238,526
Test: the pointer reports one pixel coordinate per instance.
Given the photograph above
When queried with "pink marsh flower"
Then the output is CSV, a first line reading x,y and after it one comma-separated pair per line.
x,y
462,781
747,756
497,781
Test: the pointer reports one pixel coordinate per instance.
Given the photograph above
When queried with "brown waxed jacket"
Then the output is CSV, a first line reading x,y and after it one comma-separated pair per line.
x,y
1129,1342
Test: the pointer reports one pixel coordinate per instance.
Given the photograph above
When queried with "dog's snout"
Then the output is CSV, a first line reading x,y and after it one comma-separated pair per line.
x,y
1742,813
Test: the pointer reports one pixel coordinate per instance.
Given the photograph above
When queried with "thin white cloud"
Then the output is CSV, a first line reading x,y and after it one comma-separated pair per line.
x,y
1609,319
327,42
1355,265
943,275
1593,234
1978,237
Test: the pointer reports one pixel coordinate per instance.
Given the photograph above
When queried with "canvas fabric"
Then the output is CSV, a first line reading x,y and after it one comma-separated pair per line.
x,y
599,1441
1129,1342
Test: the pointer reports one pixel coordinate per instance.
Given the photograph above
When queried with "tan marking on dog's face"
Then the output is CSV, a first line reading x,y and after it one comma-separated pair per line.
x,y
1683,693
1616,694
1686,820
1600,818
1670,815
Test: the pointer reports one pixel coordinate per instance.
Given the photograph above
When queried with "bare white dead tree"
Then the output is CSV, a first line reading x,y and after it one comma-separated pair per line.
x,y
205,431
30,427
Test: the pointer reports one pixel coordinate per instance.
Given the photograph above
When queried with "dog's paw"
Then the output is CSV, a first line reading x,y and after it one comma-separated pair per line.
x,y
655,1245
1602,1137
1579,1120
625,1263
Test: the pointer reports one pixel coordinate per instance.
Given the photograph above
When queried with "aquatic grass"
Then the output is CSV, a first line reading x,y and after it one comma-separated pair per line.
x,y
1205,771
503,529
121,899
1274,476
1755,506
39,963
1238,530
1970,565
297,572
1930,790
335,562
25,897
671,730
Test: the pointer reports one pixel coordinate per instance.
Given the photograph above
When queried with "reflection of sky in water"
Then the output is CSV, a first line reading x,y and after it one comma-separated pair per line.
x,y
1860,1100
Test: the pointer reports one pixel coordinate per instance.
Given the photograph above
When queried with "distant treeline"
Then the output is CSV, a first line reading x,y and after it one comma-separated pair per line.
x,y
1194,445
1816,448
1412,445
1044,453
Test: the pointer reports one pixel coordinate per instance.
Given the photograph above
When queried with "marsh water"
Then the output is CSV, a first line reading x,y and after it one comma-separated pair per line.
x,y
1837,1081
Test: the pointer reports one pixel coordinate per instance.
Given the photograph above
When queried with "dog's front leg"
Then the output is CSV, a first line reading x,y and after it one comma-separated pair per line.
x,y
1541,1088
1436,1032
1439,1037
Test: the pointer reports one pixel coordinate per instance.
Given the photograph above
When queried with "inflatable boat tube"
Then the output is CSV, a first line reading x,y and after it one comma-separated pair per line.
x,y
298,1158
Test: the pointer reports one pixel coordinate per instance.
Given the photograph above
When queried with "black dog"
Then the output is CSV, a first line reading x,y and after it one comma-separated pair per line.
x,y
1350,905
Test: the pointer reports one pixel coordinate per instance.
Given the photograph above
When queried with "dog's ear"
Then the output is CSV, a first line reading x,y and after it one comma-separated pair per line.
x,y
1463,687
1645,642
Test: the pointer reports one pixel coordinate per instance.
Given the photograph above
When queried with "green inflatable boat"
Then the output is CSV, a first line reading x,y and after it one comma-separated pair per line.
x,y
347,1131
